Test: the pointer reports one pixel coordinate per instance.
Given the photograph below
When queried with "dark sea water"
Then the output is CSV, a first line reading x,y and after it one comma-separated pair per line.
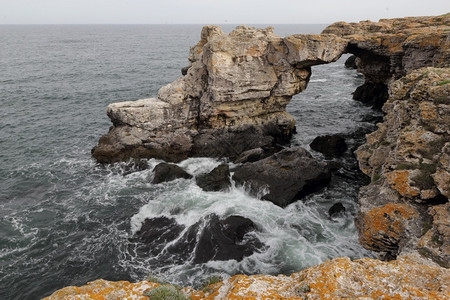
x,y
65,220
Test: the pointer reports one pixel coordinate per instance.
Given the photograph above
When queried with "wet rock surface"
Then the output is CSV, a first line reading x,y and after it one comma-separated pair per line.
x,y
284,177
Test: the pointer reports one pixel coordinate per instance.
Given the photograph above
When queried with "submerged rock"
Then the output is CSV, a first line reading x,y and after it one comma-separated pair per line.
x,y
329,145
216,180
164,172
284,177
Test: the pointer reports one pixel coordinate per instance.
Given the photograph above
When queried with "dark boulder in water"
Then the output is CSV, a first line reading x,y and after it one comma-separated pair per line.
x,y
336,209
226,239
374,94
284,177
330,145
216,180
155,233
350,63
218,239
167,172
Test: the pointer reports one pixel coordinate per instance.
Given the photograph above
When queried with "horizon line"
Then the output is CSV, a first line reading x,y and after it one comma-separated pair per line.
x,y
164,24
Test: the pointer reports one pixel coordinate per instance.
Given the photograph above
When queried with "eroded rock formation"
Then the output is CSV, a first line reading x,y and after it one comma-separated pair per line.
x,y
232,98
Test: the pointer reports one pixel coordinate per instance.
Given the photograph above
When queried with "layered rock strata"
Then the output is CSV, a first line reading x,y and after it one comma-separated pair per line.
x,y
409,277
232,98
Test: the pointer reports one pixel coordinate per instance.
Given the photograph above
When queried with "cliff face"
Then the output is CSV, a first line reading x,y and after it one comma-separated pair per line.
x,y
232,98
408,161
409,277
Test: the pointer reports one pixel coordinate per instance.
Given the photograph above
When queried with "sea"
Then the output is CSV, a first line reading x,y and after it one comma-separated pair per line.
x,y
67,220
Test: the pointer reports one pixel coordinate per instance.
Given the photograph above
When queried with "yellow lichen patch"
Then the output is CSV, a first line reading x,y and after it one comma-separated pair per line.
x,y
385,225
400,181
104,290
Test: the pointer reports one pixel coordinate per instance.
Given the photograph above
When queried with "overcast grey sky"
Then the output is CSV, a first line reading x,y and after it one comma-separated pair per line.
x,y
211,11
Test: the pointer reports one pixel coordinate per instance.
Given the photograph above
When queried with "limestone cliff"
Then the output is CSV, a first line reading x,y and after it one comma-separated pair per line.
x,y
232,98
409,277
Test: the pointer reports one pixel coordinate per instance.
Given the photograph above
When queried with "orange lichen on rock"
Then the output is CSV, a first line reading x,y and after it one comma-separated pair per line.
x,y
383,227
400,181
104,290
409,277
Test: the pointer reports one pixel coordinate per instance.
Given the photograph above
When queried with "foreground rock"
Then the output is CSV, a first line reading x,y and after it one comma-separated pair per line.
x,y
232,98
284,177
408,161
409,277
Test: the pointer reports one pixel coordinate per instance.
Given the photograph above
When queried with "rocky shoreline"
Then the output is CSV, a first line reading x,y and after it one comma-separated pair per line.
x,y
231,103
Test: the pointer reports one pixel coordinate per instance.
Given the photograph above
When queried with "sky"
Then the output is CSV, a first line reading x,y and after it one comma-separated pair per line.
x,y
212,11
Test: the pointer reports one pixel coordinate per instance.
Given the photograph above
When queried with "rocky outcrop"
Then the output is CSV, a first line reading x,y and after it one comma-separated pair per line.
x,y
408,161
409,277
391,48
284,177
232,98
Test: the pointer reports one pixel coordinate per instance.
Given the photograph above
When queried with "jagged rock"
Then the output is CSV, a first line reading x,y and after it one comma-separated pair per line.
x,y
336,209
409,277
284,177
216,180
329,145
164,172
232,98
